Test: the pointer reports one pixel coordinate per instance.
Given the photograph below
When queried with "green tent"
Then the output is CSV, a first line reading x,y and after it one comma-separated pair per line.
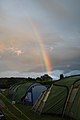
x,y
62,98
17,91
26,92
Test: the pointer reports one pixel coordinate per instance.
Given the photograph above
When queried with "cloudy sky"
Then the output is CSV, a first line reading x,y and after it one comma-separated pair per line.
x,y
29,28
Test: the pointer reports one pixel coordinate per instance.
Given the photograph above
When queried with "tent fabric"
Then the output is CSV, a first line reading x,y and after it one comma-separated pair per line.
x,y
54,102
62,98
34,92
75,108
18,91
26,92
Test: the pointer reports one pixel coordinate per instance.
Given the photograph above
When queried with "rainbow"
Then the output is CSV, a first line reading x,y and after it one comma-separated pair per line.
x,y
46,60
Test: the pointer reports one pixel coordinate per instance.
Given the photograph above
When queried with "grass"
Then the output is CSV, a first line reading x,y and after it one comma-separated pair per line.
x,y
11,111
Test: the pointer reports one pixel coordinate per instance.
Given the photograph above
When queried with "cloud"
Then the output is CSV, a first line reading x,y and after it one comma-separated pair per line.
x,y
17,51
63,15
20,74
74,72
57,23
55,74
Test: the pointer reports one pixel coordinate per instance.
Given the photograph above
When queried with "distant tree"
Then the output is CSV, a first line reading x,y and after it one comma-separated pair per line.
x,y
46,77
38,79
61,76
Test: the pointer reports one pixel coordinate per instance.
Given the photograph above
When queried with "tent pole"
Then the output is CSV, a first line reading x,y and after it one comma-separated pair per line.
x,y
46,97
32,95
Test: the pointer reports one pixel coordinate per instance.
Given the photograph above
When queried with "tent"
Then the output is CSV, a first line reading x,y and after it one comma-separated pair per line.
x,y
33,92
17,91
26,92
62,98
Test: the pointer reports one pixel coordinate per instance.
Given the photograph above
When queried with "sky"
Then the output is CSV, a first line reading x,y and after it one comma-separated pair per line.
x,y
39,36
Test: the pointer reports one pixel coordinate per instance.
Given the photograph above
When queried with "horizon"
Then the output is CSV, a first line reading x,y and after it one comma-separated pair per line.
x,y
55,75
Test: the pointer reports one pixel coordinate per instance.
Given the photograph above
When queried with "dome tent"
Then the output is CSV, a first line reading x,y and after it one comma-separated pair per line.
x,y
26,92
62,98
33,92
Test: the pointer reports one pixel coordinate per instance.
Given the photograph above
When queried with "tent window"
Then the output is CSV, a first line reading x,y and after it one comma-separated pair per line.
x,y
73,94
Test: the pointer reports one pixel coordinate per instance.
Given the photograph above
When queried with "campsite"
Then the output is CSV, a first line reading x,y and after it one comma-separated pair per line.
x,y
39,59
40,100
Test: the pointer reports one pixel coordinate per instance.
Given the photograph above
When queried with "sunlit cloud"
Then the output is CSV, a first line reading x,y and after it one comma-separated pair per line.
x,y
5,48
17,51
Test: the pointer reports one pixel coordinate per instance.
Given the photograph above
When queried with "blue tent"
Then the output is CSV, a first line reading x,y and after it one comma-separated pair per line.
x,y
33,92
